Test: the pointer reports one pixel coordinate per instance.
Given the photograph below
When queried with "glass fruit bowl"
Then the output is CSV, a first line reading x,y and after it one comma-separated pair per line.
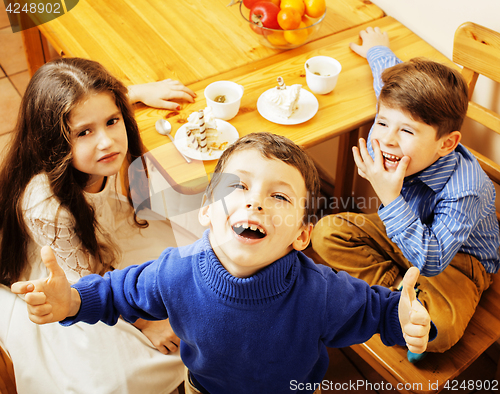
x,y
283,39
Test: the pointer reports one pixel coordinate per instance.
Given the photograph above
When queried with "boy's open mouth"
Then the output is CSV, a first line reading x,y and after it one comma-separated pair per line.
x,y
391,158
249,230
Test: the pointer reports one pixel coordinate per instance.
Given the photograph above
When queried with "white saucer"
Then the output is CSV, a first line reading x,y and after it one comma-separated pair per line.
x,y
228,133
308,106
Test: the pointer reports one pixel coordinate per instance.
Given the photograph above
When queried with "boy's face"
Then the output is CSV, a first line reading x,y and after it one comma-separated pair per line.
x,y
263,220
399,135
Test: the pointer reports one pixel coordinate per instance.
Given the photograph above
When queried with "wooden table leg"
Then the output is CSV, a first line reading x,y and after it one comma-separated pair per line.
x,y
344,177
35,49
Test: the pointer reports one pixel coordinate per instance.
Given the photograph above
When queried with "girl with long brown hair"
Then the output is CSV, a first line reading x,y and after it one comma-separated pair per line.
x,y
58,186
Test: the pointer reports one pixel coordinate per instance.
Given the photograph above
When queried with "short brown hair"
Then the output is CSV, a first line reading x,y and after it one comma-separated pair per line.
x,y
429,92
273,146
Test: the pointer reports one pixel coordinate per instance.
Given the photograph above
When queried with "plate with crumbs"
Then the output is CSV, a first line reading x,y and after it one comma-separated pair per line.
x,y
228,133
307,107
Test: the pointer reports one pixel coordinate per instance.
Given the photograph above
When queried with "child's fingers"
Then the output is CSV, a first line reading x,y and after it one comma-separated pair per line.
x,y
22,287
416,330
403,166
35,298
420,348
357,158
377,153
363,150
48,318
419,314
409,282
49,259
358,49
39,310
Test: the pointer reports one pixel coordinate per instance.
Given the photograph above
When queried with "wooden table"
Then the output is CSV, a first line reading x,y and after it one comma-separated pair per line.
x,y
194,41
350,105
189,40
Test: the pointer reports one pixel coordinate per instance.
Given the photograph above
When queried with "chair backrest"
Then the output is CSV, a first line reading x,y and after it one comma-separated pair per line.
x,y
477,50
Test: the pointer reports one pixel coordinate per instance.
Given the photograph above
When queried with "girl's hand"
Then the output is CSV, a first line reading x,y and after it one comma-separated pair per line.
x,y
160,334
52,299
159,94
371,37
413,317
386,184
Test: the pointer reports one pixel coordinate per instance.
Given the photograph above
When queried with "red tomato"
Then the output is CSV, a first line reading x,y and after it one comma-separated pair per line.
x,y
265,14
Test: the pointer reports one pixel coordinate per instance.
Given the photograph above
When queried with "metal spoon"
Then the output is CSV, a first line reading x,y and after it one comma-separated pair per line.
x,y
164,127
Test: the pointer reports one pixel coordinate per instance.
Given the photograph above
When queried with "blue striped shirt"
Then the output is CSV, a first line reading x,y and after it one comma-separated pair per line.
x,y
447,208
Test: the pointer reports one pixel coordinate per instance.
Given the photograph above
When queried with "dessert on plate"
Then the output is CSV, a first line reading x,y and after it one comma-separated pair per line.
x,y
202,133
283,100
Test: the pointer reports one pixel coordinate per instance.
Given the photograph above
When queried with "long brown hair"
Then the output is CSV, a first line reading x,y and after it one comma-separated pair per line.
x,y
42,145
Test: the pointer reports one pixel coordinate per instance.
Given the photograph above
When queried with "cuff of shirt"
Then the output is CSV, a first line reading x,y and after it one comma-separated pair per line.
x,y
89,308
377,52
397,216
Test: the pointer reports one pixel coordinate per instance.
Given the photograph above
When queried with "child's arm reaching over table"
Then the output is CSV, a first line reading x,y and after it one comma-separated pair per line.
x,y
159,94
371,37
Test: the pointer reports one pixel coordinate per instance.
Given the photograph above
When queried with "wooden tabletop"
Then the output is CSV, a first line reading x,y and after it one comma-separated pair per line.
x,y
189,40
350,105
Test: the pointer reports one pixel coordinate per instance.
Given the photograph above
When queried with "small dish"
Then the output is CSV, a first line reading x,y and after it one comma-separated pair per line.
x,y
228,133
308,106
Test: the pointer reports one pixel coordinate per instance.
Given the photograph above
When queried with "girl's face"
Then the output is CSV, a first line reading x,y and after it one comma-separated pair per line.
x,y
99,138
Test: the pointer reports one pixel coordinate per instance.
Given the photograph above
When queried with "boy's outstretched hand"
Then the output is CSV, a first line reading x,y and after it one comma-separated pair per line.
x,y
371,37
414,318
52,299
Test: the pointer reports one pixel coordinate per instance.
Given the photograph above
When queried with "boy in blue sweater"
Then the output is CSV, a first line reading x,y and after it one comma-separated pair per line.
x,y
438,205
253,312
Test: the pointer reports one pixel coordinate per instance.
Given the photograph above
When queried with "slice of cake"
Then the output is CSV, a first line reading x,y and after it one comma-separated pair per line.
x,y
283,100
202,133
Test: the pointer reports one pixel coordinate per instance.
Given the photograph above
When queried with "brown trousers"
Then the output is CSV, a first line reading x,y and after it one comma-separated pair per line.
x,y
190,389
359,245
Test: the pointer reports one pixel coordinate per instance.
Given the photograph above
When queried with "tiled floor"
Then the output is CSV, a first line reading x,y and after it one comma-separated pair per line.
x,y
14,77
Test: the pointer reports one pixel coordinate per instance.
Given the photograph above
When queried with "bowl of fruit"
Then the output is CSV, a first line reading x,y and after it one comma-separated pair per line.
x,y
283,24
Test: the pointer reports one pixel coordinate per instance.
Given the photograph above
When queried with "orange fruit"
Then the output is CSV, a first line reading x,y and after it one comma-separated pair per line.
x,y
297,4
296,37
308,22
289,18
277,39
315,8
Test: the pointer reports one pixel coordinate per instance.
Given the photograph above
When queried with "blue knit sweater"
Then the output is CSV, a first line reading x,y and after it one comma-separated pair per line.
x,y
262,334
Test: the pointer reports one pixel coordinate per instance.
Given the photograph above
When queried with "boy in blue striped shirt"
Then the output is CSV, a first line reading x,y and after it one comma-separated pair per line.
x,y
438,205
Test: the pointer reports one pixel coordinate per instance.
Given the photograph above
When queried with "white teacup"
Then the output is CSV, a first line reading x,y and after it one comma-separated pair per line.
x,y
224,97
322,73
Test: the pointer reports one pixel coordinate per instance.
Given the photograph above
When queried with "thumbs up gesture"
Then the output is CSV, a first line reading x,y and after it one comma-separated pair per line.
x,y
413,317
49,300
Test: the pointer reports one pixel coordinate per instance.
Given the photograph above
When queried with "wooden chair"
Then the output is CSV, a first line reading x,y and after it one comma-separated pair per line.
x,y
7,381
477,49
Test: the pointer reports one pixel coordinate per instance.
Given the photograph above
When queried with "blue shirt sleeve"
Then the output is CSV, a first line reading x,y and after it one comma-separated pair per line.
x,y
131,293
355,312
379,58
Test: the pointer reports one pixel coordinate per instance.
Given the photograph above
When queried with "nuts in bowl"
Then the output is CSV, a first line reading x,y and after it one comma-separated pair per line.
x,y
283,24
